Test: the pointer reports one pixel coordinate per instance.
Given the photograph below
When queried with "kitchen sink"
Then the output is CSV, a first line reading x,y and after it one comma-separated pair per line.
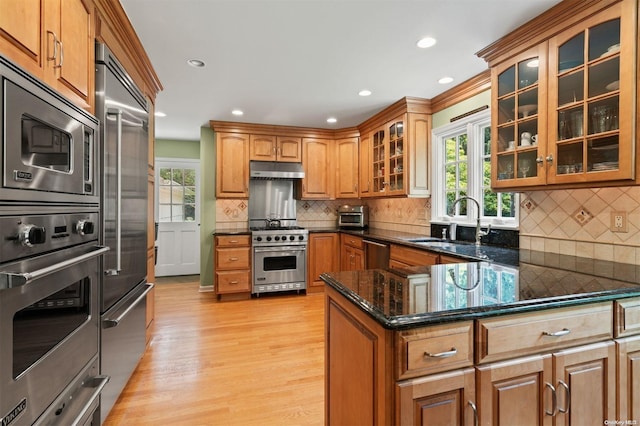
x,y
435,243
425,240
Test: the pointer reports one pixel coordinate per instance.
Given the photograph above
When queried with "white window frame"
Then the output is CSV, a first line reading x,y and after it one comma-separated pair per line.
x,y
473,126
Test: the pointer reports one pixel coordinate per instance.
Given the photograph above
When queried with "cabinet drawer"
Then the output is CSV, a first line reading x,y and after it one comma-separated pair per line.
x,y
232,258
435,349
352,241
233,281
233,241
412,256
523,334
627,317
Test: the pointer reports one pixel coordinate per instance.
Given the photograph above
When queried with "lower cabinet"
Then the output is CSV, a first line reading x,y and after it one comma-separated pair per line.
x,y
574,386
232,266
323,256
351,253
402,257
441,399
628,351
431,375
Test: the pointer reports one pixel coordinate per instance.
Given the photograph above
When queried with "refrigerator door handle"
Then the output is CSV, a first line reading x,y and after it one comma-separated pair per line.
x,y
118,115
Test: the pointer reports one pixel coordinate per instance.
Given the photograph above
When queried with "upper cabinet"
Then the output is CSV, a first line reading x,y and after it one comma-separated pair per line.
x,y
395,153
564,108
276,148
347,168
232,169
54,41
319,171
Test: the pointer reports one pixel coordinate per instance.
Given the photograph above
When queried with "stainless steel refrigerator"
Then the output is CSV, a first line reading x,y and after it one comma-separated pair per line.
x,y
124,118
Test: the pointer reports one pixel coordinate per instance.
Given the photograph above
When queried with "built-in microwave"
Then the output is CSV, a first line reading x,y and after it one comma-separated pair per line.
x,y
49,145
353,216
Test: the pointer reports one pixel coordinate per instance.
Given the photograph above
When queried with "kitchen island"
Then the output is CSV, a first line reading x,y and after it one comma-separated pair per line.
x,y
555,337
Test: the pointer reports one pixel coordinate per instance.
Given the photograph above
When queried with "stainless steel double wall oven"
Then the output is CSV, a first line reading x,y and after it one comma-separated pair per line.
x,y
49,256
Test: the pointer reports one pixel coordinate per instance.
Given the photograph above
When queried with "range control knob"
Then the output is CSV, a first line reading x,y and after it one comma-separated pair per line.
x,y
301,237
291,238
268,238
277,238
284,238
258,239
29,235
85,227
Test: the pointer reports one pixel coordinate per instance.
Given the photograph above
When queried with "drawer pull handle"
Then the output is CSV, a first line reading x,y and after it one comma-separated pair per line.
x,y
234,282
554,401
233,259
475,412
567,397
445,354
233,241
560,333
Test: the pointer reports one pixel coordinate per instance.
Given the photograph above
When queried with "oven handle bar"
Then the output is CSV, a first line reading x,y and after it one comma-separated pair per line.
x,y
109,323
26,277
278,249
102,382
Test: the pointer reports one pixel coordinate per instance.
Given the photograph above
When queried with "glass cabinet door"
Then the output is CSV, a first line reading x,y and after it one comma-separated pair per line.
x,y
396,156
518,131
586,100
378,142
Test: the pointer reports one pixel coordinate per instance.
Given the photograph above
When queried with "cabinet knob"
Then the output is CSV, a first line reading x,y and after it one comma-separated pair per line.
x,y
550,158
539,160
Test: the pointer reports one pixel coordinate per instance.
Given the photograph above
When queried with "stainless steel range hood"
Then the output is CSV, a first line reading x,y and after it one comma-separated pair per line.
x,y
275,170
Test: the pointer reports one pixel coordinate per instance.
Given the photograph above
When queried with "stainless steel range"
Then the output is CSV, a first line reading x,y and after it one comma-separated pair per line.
x,y
279,245
279,259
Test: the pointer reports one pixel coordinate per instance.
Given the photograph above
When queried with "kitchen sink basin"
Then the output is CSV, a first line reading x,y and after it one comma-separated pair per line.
x,y
425,240
435,243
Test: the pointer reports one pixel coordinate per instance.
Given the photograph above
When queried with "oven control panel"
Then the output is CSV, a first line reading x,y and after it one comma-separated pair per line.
x,y
280,237
23,236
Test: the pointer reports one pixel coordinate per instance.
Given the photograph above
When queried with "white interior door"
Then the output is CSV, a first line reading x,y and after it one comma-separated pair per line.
x,y
178,216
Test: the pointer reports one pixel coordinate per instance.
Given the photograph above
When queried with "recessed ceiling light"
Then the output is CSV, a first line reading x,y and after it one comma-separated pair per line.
x,y
160,114
364,92
426,42
332,120
534,63
237,112
445,80
196,63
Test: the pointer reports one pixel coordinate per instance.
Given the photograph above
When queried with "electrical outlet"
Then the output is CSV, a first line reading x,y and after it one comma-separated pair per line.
x,y
619,222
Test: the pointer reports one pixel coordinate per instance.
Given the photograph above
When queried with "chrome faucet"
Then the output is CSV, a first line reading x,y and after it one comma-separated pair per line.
x,y
479,232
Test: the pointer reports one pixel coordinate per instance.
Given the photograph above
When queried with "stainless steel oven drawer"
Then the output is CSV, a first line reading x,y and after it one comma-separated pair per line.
x,y
122,343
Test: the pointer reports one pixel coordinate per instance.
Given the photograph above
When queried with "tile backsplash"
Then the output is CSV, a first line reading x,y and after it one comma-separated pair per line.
x,y
578,222
573,222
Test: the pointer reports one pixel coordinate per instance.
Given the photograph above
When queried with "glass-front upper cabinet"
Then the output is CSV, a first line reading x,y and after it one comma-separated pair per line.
x,y
563,110
388,152
519,120
591,102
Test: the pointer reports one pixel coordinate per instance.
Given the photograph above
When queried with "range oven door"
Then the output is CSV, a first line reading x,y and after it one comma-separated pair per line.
x,y
49,144
279,268
49,334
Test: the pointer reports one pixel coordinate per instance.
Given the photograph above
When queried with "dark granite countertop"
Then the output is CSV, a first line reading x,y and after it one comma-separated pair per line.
x,y
421,296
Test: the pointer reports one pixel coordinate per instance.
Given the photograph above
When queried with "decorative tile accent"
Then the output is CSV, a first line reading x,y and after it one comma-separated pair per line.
x,y
327,210
582,216
228,211
528,204
306,205
242,205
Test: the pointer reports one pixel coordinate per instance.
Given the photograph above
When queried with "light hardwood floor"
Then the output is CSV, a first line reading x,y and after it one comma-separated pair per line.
x,y
251,362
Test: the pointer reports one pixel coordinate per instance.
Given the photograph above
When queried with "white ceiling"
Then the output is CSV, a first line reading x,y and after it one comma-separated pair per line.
x,y
298,62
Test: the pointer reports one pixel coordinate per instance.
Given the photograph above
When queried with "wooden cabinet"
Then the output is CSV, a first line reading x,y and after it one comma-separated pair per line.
x,y
232,165
574,386
396,154
440,399
347,168
351,253
232,265
275,148
628,396
54,41
563,108
319,169
323,256
402,257
364,169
